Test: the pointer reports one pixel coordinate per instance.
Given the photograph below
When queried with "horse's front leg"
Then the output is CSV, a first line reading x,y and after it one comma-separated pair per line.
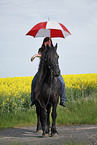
x,y
43,119
38,118
54,115
48,115
38,123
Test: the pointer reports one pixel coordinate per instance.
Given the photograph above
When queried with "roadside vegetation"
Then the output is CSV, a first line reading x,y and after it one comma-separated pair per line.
x,y
81,101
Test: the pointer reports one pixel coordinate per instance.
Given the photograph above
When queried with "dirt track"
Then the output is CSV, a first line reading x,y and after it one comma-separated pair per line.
x,y
84,134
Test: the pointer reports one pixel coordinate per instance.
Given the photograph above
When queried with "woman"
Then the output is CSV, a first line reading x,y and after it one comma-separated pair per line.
x,y
48,41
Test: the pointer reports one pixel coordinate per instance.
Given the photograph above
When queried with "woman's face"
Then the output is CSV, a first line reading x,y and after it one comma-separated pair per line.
x,y
47,43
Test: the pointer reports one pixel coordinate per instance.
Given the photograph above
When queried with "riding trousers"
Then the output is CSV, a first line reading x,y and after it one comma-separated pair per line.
x,y
62,85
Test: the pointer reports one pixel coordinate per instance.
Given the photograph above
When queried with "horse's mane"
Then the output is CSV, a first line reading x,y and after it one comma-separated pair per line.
x,y
40,74
42,70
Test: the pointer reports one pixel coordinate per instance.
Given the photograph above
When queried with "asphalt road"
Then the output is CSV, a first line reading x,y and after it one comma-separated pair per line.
x,y
68,135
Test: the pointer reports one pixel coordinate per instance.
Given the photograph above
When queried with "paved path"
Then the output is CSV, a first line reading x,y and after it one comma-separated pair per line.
x,y
72,135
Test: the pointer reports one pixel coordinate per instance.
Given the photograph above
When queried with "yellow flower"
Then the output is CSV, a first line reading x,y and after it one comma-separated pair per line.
x,y
23,100
7,99
15,104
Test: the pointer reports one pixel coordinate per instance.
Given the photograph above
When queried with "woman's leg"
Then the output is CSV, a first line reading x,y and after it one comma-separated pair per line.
x,y
32,90
62,95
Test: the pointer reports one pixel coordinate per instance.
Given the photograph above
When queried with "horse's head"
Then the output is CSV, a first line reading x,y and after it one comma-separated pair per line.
x,y
52,60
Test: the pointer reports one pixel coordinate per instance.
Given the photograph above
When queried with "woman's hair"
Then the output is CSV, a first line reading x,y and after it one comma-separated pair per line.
x,y
45,40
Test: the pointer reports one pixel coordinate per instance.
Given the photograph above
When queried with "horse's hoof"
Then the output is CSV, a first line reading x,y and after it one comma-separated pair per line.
x,y
39,131
45,135
54,135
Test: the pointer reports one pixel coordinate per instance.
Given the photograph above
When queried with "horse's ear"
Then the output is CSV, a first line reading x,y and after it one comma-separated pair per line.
x,y
56,46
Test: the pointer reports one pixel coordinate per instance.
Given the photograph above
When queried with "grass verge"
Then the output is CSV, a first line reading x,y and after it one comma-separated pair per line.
x,y
81,111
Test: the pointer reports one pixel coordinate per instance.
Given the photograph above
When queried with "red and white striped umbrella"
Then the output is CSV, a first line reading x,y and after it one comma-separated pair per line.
x,y
49,29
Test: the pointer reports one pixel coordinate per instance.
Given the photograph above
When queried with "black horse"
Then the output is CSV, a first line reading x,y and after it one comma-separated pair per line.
x,y
47,90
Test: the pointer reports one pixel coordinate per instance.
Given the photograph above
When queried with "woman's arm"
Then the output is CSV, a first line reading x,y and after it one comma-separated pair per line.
x,y
36,55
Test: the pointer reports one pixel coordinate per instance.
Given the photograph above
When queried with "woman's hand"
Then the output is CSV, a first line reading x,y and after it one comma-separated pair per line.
x,y
36,55
32,58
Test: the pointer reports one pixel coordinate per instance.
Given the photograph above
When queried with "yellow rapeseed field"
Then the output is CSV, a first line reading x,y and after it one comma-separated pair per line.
x,y
81,80
15,92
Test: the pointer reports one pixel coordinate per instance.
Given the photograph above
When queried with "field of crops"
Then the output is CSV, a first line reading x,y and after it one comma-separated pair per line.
x,y
15,92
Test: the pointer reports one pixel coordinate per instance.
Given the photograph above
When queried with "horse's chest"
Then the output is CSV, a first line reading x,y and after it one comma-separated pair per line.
x,y
51,90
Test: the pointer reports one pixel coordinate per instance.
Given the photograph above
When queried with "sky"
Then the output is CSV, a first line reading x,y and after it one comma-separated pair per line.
x,y
77,52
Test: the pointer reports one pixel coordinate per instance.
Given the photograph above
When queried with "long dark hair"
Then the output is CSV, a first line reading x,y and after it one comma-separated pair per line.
x,y
45,40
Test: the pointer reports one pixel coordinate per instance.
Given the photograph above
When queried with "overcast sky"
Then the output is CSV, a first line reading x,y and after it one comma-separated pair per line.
x,y
78,52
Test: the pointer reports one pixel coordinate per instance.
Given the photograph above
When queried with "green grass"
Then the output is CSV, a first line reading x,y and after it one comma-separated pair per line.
x,y
18,119
81,111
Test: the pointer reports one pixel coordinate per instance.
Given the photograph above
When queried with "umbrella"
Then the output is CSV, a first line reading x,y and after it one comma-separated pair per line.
x,y
49,29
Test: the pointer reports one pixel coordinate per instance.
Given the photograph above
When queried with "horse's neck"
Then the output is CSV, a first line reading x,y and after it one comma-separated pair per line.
x,y
50,79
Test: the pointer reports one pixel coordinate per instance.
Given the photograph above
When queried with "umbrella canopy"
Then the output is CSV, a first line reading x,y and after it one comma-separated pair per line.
x,y
49,29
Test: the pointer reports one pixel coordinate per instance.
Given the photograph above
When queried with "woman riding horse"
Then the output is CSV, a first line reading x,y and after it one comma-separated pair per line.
x,y
47,90
48,41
